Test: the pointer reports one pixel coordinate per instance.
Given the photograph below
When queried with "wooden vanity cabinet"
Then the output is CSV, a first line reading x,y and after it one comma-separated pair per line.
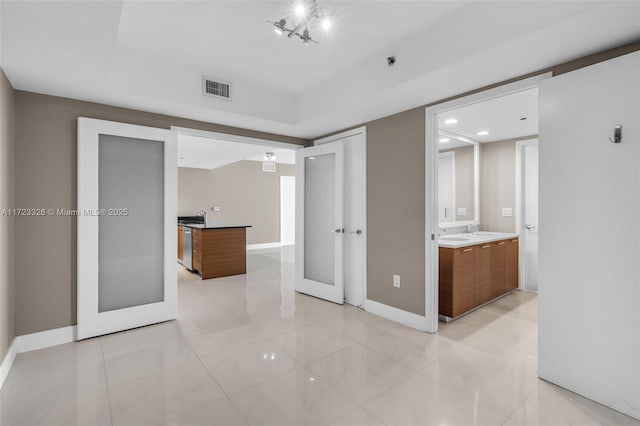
x,y
456,280
482,274
474,275
498,259
511,265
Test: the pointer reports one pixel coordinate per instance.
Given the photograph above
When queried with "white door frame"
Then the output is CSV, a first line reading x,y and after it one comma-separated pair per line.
x,y
520,145
91,322
233,138
431,183
334,138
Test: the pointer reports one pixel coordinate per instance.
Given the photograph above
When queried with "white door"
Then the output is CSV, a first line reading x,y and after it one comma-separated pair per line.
x,y
287,210
354,216
530,226
446,187
127,210
589,299
319,221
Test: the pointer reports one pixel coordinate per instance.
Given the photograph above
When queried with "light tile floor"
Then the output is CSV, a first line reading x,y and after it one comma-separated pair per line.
x,y
249,350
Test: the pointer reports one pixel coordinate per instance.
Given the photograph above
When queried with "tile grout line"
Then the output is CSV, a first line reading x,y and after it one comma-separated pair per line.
x,y
217,383
106,379
520,403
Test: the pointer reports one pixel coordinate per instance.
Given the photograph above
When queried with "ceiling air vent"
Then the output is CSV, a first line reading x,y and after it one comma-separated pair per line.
x,y
219,89
268,167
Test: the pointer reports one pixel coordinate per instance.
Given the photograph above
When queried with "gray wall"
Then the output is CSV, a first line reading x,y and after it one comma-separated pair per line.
x,y
245,194
464,180
497,185
395,210
7,228
45,175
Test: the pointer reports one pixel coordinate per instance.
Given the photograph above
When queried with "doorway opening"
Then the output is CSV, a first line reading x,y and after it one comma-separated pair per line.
x,y
286,193
233,185
527,212
481,201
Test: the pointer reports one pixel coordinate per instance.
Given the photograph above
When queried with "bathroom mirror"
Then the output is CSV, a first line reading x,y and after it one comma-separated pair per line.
x,y
458,160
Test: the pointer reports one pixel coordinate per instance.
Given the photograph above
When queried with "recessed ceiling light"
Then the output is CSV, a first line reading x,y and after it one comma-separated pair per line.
x,y
300,10
445,140
326,23
483,133
451,121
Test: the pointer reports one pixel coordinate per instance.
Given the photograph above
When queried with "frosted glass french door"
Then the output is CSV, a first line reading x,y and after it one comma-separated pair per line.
x,y
127,180
319,221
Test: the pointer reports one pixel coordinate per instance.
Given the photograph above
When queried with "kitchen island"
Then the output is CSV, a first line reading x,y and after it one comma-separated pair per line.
x,y
218,250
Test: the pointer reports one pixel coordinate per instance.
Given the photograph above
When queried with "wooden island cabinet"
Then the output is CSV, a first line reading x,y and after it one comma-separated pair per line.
x,y
473,275
219,251
213,251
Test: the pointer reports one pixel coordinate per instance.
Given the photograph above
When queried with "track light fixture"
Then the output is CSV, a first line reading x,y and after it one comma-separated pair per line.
x,y
305,13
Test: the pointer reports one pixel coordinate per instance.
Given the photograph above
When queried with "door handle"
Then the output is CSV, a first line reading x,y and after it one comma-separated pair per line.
x,y
357,232
338,230
528,226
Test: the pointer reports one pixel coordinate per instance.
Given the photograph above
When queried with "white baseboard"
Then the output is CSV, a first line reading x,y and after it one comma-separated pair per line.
x,y
263,246
7,363
32,342
45,339
394,314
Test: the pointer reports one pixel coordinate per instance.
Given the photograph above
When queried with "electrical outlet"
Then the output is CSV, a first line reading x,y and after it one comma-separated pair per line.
x,y
396,281
507,212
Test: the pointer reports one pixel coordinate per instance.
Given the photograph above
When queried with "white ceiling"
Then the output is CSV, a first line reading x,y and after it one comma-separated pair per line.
x,y
151,55
204,153
501,117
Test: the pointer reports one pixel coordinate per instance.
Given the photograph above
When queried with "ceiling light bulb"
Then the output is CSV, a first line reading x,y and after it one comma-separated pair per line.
x,y
326,24
451,121
445,140
300,10
483,133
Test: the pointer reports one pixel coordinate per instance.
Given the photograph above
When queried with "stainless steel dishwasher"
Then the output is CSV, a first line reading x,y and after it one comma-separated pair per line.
x,y
187,258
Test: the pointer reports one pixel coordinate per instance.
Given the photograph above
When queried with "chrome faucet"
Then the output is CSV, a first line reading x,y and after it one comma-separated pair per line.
x,y
204,214
469,228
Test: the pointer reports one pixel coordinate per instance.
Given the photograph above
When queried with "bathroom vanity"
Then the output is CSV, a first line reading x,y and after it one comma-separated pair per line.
x,y
474,269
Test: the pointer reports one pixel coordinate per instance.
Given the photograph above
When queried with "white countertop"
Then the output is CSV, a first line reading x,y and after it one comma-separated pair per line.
x,y
480,237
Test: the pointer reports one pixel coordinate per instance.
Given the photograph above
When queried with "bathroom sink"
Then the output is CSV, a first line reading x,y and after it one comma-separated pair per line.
x,y
452,238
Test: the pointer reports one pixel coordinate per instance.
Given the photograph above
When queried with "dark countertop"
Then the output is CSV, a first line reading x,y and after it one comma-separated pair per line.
x,y
220,226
